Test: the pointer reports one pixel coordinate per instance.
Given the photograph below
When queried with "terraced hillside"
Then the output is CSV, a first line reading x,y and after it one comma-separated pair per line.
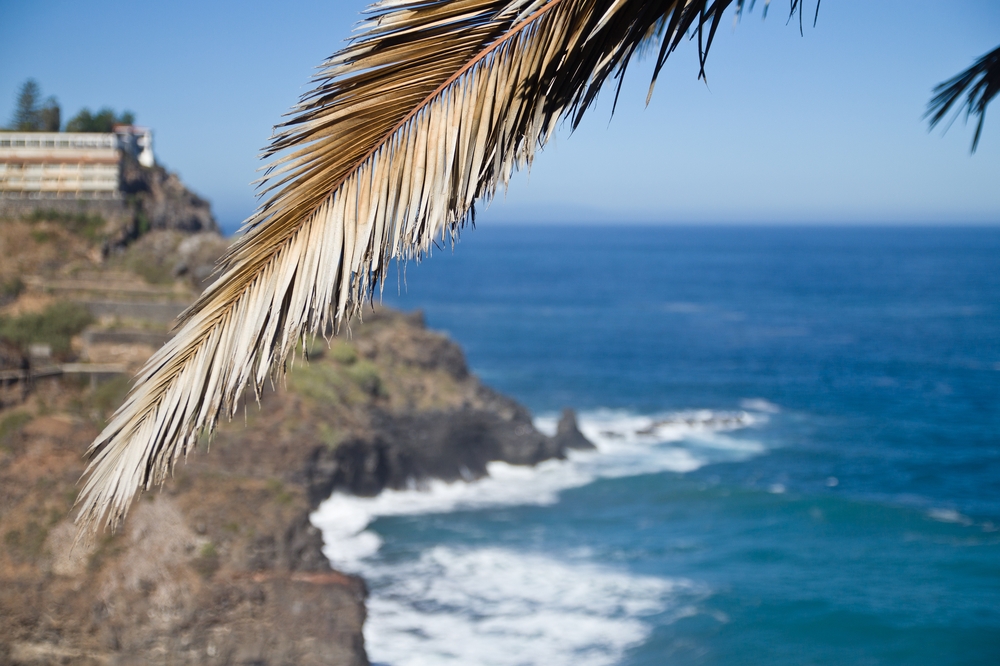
x,y
221,565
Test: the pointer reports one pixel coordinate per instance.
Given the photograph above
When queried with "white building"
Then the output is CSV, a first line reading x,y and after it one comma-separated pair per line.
x,y
82,165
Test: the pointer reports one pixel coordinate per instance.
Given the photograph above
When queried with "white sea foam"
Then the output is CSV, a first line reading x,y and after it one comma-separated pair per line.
x,y
760,405
627,445
496,607
949,516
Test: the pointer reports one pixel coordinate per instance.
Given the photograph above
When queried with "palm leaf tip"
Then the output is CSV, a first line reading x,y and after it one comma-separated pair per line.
x,y
979,84
433,106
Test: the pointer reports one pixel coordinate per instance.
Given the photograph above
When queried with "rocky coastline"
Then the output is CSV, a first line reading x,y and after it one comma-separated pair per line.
x,y
221,565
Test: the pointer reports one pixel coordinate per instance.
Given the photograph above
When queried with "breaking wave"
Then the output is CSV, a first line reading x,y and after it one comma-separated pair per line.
x,y
627,445
496,606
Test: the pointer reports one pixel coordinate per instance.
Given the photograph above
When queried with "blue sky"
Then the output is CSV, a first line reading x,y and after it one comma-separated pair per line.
x,y
824,128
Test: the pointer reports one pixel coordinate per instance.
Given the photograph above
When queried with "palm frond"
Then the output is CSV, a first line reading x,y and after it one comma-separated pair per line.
x,y
979,84
433,106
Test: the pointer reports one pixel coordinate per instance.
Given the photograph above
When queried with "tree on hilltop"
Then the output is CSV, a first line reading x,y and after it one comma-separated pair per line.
x,y
102,121
33,115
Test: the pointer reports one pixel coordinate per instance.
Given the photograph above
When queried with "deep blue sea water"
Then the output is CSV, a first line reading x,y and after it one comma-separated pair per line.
x,y
799,453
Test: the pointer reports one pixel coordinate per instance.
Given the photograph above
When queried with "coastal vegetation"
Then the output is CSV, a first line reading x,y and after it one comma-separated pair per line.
x,y
33,114
103,120
10,289
55,326
88,225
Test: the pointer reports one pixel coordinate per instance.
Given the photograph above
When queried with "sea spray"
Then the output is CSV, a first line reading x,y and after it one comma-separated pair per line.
x,y
495,606
627,445
873,350
498,607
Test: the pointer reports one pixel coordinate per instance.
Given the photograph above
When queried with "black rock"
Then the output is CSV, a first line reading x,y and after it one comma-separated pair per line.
x,y
568,435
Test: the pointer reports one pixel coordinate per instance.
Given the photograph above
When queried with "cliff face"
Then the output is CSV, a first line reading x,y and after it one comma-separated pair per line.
x,y
161,201
424,416
221,565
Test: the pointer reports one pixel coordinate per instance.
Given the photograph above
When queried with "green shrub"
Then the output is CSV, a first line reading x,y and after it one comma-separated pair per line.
x,y
343,353
322,382
207,562
366,376
27,544
10,289
142,224
56,326
90,226
277,488
330,436
108,546
109,395
312,348
11,424
102,120
151,271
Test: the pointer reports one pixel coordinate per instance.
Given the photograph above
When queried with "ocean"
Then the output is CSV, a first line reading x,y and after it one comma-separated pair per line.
x,y
798,461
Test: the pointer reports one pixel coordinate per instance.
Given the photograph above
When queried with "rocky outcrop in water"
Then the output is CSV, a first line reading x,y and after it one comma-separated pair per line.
x,y
405,450
568,435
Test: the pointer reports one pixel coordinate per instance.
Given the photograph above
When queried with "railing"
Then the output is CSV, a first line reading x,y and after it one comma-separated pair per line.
x,y
92,369
59,162
58,140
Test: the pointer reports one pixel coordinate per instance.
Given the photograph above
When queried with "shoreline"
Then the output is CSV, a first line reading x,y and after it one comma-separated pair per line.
x,y
222,565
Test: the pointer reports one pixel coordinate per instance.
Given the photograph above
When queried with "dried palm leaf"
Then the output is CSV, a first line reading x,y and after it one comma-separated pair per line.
x,y
428,110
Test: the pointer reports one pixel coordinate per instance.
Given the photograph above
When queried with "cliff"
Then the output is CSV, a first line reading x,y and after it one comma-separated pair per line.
x,y
221,564
159,200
